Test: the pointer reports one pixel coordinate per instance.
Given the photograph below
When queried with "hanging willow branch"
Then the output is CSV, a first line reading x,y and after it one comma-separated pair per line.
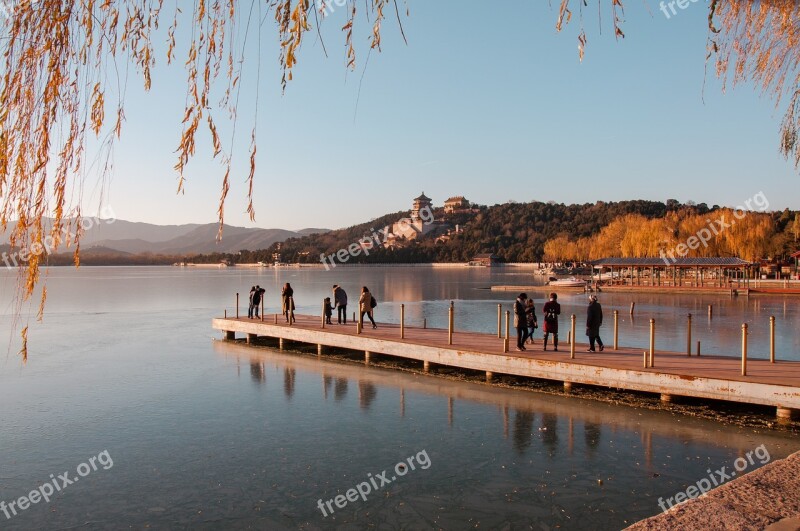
x,y
59,89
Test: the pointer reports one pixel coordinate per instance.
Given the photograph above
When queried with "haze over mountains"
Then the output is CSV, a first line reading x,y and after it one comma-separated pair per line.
x,y
136,238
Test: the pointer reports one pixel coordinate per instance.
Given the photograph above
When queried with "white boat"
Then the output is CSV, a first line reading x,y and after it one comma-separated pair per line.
x,y
570,282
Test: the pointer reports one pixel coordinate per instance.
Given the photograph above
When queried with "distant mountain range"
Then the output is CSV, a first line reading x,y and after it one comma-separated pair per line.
x,y
190,239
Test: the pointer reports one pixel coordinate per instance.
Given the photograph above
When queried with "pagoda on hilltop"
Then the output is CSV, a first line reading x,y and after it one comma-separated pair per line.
x,y
421,203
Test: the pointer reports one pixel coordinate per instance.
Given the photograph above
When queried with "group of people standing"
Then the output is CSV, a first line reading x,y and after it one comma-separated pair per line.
x,y
525,320
366,305
287,302
526,323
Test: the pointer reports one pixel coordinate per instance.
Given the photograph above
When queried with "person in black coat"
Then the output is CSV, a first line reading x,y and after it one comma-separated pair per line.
x,y
594,319
328,310
250,308
256,299
533,323
521,320
287,302
340,301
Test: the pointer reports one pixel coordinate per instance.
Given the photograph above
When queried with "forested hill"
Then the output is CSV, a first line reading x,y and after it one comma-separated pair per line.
x,y
516,232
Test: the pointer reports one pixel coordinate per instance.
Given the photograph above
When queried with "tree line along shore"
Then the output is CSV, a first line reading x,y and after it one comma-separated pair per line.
x,y
522,233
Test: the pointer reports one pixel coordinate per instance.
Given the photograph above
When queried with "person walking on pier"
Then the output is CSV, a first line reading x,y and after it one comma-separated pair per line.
x,y
551,311
340,301
250,307
287,302
594,319
521,320
366,303
258,294
533,323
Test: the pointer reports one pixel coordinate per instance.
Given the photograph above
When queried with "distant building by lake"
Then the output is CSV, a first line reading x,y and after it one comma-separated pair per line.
x,y
485,260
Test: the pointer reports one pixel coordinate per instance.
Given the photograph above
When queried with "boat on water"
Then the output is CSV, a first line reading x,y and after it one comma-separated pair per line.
x,y
570,282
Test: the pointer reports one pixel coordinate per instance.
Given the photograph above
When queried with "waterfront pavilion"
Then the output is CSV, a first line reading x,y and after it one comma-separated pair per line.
x,y
674,272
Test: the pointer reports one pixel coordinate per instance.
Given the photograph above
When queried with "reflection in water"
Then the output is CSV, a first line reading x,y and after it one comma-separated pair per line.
x,y
289,375
591,434
523,430
257,372
450,411
647,445
366,394
340,389
674,452
550,432
327,382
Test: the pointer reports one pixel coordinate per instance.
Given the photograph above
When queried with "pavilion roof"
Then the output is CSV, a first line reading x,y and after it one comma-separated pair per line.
x,y
423,197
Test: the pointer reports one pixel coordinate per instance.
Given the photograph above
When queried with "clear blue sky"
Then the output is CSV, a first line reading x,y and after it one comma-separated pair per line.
x,y
486,101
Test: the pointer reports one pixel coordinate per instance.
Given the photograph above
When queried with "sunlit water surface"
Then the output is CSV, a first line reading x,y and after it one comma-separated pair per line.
x,y
206,434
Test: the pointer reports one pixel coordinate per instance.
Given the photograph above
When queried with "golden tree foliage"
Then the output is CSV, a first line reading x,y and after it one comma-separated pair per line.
x,y
725,232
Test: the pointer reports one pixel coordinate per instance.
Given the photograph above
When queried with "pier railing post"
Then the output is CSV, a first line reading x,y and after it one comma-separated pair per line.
x,y
710,311
744,349
616,329
633,305
689,336
499,319
505,341
323,314
572,334
237,305
450,324
772,339
262,307
652,343
402,321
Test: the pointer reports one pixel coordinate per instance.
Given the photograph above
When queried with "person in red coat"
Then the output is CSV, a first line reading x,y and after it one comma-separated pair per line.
x,y
551,311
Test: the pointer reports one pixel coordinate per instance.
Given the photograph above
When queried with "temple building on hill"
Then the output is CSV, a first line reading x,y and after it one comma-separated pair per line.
x,y
422,204
421,223
455,204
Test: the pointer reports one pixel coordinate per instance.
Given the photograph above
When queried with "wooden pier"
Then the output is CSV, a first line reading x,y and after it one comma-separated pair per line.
x,y
670,374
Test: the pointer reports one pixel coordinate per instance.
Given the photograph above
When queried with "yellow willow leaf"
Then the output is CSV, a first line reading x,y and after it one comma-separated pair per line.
x,y
23,352
40,314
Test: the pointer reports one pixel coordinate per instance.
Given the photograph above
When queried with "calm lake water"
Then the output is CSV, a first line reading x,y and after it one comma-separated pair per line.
x,y
211,435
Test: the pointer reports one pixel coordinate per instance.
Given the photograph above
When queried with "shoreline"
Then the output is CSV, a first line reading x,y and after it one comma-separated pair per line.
x,y
766,498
